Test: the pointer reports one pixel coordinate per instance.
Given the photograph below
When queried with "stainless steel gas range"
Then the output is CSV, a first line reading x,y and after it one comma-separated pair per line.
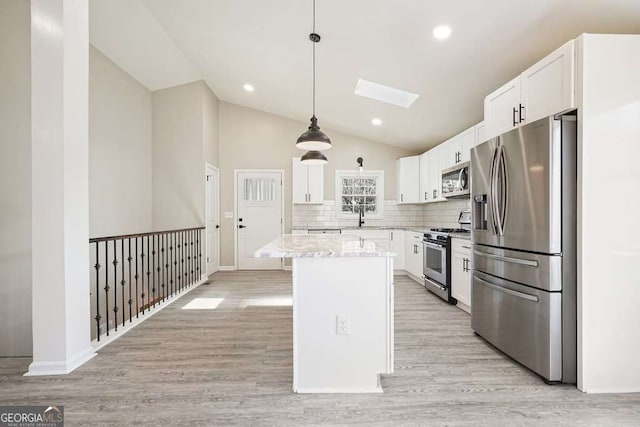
x,y
436,264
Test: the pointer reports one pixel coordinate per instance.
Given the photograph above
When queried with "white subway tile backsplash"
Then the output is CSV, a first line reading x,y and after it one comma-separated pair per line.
x,y
443,214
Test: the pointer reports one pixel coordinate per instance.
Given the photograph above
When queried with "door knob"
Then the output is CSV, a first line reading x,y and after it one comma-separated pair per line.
x,y
217,226
242,226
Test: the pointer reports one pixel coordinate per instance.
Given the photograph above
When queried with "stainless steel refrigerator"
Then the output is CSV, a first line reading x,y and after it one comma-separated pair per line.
x,y
523,194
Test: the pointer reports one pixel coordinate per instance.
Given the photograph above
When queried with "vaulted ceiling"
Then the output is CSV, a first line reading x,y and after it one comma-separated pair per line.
x,y
228,43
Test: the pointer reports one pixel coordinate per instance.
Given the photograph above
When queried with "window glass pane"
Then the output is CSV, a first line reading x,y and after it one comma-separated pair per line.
x,y
259,189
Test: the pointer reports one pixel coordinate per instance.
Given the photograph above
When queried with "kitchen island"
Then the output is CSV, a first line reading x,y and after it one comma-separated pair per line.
x,y
342,311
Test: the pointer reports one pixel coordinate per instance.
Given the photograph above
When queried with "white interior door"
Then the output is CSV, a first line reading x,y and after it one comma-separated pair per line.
x,y
213,220
259,217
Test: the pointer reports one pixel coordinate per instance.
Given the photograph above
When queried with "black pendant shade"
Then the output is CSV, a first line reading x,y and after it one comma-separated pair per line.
x,y
313,158
313,139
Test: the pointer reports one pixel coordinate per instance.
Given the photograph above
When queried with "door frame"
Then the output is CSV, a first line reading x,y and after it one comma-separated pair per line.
x,y
235,208
210,168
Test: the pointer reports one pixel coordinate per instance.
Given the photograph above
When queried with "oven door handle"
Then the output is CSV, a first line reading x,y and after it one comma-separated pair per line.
x,y
434,245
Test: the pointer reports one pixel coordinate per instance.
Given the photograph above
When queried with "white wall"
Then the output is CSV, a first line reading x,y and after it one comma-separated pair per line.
x,y
252,139
185,128
15,179
608,209
119,150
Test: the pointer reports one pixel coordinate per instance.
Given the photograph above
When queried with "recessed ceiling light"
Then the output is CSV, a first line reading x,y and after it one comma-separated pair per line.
x,y
442,32
248,87
376,122
384,93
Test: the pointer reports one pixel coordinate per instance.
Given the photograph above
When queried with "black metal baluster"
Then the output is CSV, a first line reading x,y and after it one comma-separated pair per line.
x,y
199,260
129,259
97,267
148,275
115,285
172,243
142,255
153,257
192,257
106,283
123,282
185,250
161,265
136,277
188,271
179,255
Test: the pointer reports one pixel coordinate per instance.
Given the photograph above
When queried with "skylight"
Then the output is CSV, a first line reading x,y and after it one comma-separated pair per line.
x,y
384,93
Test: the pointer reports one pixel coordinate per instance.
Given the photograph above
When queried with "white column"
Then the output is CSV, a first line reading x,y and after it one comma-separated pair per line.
x,y
60,195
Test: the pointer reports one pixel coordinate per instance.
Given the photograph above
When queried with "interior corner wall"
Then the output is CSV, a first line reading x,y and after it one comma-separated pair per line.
x,y
119,150
15,179
608,194
179,155
210,144
252,139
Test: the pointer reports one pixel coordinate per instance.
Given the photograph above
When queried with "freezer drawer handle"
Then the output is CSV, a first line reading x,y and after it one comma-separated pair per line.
x,y
527,262
522,295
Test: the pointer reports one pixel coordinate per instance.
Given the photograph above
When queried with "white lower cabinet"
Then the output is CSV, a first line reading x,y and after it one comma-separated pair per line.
x,y
413,254
396,240
461,272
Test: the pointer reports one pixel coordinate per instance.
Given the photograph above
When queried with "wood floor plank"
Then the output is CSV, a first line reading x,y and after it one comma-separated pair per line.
x,y
233,366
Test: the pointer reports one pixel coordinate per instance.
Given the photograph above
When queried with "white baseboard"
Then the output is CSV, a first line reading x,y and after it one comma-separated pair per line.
x,y
227,268
339,390
60,367
399,273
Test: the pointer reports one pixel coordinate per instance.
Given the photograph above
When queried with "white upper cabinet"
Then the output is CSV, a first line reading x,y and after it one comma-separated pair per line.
x,y
480,133
467,142
501,109
449,152
307,183
435,175
546,88
408,170
425,177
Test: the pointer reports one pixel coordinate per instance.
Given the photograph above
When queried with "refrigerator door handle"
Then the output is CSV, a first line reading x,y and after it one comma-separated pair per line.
x,y
517,294
527,262
493,190
501,180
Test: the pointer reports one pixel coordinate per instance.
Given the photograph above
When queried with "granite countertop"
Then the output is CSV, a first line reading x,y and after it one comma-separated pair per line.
x,y
323,245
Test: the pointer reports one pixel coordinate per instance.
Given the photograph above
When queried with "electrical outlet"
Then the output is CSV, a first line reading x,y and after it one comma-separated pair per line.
x,y
342,325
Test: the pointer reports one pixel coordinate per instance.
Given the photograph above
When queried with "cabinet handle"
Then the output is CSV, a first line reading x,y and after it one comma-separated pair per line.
x,y
425,195
515,111
401,197
522,118
392,235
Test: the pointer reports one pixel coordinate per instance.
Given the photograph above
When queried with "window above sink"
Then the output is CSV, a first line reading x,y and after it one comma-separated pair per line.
x,y
360,190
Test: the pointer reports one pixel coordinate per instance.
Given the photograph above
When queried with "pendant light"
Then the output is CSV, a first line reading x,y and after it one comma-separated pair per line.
x,y
313,139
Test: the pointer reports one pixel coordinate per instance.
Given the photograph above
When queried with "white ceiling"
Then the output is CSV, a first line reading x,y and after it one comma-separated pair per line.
x,y
229,43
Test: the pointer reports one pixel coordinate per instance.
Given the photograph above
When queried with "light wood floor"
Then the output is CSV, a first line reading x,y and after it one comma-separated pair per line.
x,y
232,366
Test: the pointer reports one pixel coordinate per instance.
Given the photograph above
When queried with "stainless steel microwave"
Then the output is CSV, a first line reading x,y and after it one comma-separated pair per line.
x,y
455,181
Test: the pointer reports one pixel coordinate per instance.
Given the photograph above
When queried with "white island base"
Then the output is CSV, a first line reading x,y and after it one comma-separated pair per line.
x,y
342,323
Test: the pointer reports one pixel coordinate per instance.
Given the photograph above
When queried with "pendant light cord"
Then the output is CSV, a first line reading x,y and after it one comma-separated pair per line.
x,y
314,60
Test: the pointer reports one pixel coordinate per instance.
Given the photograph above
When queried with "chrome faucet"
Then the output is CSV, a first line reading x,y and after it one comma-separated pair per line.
x,y
361,216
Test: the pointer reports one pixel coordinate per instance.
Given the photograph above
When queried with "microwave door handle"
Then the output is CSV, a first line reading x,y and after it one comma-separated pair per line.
x,y
460,176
